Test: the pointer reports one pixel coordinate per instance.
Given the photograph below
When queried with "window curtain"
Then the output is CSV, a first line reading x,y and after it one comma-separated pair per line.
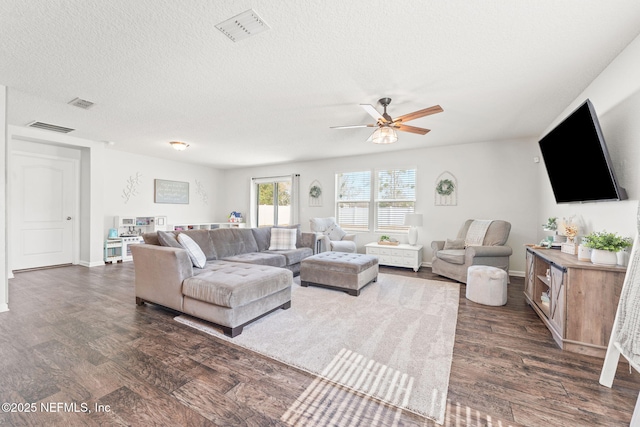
x,y
295,198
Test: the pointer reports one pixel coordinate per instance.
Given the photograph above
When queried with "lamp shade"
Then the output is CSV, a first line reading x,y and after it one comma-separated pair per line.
x,y
413,220
384,135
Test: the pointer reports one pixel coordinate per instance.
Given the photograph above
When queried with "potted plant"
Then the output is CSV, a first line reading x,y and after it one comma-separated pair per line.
x,y
551,225
604,246
387,240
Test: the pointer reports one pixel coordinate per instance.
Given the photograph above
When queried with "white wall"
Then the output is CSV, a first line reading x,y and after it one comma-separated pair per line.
x,y
496,180
122,166
4,250
103,177
615,94
91,176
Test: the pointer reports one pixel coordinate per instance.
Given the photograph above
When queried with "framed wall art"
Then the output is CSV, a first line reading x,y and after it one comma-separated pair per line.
x,y
176,192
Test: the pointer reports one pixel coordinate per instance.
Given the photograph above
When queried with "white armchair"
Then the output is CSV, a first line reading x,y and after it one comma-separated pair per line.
x,y
330,237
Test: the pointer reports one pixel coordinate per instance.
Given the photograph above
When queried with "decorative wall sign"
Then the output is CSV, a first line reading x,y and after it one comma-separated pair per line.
x,y
131,190
171,191
446,190
200,191
315,194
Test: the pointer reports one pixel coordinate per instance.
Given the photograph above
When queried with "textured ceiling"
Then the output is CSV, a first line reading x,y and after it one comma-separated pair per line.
x,y
159,70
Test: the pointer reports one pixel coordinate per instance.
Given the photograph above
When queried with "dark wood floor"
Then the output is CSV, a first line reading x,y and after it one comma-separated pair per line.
x,y
75,335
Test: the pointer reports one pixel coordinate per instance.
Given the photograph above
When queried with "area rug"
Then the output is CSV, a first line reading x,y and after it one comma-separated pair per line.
x,y
394,342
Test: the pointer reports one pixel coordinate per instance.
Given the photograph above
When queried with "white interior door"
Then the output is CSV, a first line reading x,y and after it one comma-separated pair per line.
x,y
43,209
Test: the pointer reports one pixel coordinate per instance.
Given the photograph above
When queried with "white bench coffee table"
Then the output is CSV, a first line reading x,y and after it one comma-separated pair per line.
x,y
402,255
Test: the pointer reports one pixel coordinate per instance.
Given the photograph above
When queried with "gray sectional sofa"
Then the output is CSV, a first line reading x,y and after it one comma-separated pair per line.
x,y
241,281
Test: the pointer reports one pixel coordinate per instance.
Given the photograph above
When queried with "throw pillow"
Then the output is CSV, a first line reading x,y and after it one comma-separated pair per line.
x,y
334,232
283,239
168,239
454,244
195,253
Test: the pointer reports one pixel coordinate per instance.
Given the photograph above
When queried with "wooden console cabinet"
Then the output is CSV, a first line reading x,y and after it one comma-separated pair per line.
x,y
582,298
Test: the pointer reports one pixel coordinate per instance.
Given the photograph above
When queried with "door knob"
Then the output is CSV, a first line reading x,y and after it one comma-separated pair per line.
x,y
68,218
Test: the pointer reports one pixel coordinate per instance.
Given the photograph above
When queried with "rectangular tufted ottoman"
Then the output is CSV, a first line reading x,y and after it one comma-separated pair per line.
x,y
348,272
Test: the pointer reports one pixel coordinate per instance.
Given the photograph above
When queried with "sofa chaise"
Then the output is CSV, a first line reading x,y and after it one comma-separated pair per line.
x,y
241,281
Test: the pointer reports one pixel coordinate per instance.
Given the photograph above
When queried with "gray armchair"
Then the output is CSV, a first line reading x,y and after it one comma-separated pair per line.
x,y
330,237
452,259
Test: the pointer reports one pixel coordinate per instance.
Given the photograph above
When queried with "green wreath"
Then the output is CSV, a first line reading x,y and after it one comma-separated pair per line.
x,y
445,187
315,191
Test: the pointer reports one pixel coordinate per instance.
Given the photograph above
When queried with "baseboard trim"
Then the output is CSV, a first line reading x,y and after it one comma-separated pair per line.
x,y
4,307
91,264
511,272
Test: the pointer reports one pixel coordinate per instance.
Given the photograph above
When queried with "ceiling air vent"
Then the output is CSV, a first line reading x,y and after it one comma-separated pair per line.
x,y
48,126
242,26
81,103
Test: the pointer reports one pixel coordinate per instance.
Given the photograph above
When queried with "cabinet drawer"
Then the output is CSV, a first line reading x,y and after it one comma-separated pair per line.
x,y
373,251
384,259
397,260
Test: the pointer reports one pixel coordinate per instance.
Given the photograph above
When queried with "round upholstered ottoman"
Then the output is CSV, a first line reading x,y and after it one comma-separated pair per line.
x,y
487,285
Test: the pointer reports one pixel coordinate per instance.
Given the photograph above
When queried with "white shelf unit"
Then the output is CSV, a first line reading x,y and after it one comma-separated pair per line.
x,y
113,250
402,255
128,225
206,225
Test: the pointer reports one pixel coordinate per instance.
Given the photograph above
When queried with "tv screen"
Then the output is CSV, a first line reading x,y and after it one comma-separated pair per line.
x,y
577,160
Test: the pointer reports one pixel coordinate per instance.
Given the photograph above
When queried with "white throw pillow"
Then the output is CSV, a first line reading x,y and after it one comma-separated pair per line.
x,y
334,232
283,239
198,257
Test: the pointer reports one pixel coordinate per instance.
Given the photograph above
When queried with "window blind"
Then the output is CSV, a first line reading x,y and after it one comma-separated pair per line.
x,y
353,200
395,197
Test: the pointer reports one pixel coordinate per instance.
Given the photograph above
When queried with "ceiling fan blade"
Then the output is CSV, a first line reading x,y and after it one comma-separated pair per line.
x,y
353,126
373,112
420,113
412,129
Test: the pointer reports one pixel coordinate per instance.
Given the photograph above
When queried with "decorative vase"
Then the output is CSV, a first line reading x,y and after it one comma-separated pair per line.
x,y
584,253
602,257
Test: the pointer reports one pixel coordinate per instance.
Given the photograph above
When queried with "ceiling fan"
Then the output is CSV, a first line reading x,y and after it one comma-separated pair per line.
x,y
387,126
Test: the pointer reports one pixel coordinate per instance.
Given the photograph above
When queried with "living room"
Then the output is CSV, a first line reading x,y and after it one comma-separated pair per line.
x,y
498,178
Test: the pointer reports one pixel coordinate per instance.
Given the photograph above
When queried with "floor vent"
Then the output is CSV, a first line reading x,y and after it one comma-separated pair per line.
x,y
81,103
48,126
243,26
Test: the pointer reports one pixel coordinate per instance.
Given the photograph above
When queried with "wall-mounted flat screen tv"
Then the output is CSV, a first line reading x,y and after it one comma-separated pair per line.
x,y
577,160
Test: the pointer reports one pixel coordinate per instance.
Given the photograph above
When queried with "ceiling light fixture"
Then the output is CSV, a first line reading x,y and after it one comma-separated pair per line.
x,y
384,135
179,145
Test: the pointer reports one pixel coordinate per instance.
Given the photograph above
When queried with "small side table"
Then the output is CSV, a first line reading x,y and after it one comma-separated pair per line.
x,y
402,255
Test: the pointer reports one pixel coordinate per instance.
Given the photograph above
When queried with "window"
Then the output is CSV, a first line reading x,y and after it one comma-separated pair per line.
x,y
274,201
353,196
394,196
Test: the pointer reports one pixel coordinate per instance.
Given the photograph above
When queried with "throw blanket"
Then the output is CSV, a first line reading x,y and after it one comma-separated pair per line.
x,y
476,232
627,328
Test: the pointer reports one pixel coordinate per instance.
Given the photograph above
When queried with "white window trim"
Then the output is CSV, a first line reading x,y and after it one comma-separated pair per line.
x,y
373,201
293,179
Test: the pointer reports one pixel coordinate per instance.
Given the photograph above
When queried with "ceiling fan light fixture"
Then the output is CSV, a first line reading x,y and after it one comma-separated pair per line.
x,y
179,145
384,135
